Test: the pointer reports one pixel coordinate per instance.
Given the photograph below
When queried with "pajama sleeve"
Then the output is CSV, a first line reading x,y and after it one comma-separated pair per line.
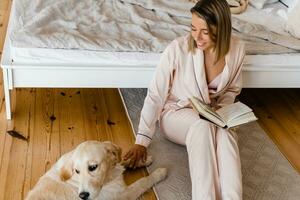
x,y
156,96
235,86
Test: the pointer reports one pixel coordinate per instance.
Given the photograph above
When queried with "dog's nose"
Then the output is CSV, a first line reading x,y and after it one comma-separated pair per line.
x,y
84,195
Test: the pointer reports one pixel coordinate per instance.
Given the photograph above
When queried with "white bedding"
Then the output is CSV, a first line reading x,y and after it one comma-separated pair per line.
x,y
46,56
94,25
114,25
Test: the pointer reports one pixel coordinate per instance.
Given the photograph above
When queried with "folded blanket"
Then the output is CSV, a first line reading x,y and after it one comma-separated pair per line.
x,y
261,32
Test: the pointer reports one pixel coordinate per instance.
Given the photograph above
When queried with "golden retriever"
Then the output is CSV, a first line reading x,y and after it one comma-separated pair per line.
x,y
91,171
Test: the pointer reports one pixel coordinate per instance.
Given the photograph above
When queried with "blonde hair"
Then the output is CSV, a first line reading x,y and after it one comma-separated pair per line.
x,y
216,13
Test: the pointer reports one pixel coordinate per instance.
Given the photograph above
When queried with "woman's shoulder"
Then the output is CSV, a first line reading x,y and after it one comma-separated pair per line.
x,y
179,44
236,52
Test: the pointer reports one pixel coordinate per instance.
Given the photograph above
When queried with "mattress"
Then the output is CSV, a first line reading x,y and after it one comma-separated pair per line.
x,y
44,56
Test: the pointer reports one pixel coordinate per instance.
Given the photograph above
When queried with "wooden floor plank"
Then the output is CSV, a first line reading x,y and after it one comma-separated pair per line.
x,y
120,128
52,146
5,145
5,6
5,142
14,188
105,129
122,133
283,113
42,131
4,167
76,116
4,15
2,99
28,168
91,116
260,101
70,119
2,123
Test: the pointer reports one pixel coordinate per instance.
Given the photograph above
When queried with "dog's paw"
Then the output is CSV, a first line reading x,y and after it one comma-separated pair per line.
x,y
159,174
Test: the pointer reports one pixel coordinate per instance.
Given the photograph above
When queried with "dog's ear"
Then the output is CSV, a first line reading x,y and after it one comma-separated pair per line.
x,y
66,171
114,150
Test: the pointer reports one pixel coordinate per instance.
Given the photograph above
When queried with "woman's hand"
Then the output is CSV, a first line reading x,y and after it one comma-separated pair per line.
x,y
135,154
216,107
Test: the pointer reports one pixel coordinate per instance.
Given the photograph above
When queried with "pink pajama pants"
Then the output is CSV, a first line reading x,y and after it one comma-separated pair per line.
x,y
213,153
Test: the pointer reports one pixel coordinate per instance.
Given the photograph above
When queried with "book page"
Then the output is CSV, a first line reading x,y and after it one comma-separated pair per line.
x,y
242,119
207,112
208,109
233,111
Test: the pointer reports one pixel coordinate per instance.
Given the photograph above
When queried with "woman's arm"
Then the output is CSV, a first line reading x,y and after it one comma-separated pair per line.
x,y
153,105
156,97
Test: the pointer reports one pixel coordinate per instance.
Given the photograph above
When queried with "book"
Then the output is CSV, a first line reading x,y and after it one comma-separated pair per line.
x,y
226,117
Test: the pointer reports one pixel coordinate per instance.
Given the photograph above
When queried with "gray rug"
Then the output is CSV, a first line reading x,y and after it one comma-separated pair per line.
x,y
267,175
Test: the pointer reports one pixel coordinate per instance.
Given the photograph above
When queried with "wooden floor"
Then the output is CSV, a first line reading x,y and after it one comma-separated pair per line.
x,y
278,111
56,120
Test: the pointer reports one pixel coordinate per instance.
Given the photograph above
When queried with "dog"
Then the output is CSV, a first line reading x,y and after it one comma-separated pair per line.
x,y
92,171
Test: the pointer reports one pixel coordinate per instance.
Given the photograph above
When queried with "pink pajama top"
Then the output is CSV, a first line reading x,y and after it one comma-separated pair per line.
x,y
180,75
213,85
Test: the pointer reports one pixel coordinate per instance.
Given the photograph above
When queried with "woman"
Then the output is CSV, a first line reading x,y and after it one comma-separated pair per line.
x,y
207,64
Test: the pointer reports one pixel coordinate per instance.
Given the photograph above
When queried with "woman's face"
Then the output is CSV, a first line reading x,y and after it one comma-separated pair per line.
x,y
199,31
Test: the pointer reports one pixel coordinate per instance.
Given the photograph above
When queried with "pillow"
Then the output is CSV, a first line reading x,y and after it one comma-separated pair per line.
x,y
237,6
289,3
293,22
233,3
259,4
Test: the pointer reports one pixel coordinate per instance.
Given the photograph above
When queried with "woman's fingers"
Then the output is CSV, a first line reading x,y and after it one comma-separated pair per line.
x,y
128,155
137,160
132,160
145,157
135,155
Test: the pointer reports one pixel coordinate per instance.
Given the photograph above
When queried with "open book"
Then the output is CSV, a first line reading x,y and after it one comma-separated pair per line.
x,y
228,116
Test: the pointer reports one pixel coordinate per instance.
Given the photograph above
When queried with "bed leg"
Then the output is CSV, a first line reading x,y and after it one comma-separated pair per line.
x,y
6,94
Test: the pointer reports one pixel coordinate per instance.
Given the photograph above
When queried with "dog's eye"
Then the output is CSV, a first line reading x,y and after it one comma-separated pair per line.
x,y
92,167
77,171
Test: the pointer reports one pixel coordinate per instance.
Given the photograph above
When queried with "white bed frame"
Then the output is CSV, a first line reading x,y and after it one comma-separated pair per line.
x,y
260,71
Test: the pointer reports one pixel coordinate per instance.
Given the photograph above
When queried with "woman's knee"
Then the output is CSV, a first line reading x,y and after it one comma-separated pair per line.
x,y
227,134
201,130
175,124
